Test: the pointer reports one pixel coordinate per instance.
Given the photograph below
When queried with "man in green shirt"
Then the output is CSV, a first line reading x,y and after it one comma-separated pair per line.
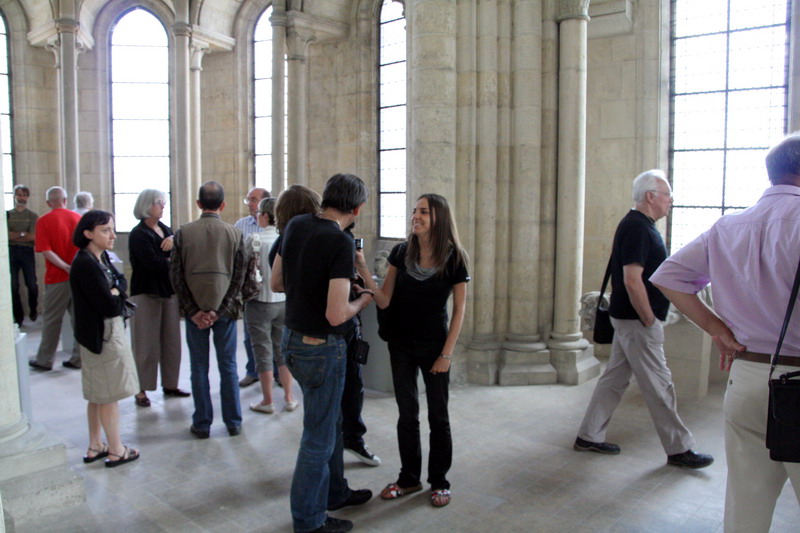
x,y
21,234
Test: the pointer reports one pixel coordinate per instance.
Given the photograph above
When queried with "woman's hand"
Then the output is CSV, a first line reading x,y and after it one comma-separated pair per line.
x,y
166,244
115,291
441,365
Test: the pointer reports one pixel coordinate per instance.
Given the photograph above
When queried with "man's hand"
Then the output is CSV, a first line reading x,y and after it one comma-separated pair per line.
x,y
203,319
166,244
728,346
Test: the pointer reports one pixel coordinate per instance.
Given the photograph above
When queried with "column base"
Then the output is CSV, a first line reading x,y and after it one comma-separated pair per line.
x,y
34,475
574,360
482,360
525,360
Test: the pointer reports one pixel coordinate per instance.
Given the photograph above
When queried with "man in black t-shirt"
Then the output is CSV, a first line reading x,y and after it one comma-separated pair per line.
x,y
314,266
637,311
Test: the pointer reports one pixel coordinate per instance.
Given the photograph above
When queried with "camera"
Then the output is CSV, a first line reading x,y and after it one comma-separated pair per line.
x,y
359,243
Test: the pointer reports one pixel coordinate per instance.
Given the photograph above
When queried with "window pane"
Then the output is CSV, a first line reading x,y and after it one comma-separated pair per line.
x,y
141,101
134,174
393,85
692,222
700,64
5,131
745,178
138,137
393,171
123,212
263,94
140,63
393,42
138,27
757,58
393,128
391,11
693,17
697,177
393,216
3,53
263,136
262,68
755,118
751,14
699,121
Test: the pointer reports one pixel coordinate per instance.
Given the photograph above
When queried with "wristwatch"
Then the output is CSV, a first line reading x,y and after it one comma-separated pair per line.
x,y
21,233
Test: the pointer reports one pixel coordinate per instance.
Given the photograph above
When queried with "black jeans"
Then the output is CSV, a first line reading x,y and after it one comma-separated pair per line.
x,y
353,427
407,359
22,258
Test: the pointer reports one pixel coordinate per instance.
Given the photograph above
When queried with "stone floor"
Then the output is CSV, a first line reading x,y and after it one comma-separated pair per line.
x,y
514,469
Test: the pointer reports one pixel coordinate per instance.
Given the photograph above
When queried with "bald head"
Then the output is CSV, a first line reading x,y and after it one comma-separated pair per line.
x,y
56,197
254,196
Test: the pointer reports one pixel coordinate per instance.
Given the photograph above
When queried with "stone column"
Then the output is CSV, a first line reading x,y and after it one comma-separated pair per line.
x,y
572,355
297,43
34,475
278,20
184,182
525,359
199,49
66,50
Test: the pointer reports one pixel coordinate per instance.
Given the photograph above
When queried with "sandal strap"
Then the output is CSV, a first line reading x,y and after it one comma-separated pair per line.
x,y
126,451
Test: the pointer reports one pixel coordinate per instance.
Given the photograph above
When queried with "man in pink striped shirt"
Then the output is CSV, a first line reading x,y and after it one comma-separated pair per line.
x,y
750,259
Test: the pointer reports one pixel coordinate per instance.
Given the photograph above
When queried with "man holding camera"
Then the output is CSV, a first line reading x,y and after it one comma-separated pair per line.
x,y
314,266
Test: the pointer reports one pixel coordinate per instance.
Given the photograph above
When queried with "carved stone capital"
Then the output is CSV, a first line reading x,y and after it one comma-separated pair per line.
x,y
182,29
573,9
67,25
198,49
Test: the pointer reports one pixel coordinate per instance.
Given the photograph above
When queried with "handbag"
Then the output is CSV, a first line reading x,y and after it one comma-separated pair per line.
x,y
252,278
783,414
603,330
128,309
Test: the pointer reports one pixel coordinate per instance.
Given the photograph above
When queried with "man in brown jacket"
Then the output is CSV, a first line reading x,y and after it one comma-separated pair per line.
x,y
207,270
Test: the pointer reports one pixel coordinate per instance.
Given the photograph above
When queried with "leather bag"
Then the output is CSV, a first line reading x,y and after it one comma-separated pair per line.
x,y
783,414
603,330
252,277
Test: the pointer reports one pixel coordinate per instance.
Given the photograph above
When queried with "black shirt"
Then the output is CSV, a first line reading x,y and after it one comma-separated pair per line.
x,y
636,241
313,251
418,309
90,282
149,263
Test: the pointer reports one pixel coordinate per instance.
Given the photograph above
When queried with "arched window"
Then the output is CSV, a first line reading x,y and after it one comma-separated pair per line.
x,y
262,105
392,122
6,141
729,93
139,112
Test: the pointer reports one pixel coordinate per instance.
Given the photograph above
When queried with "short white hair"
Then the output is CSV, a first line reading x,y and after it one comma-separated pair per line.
x,y
55,192
84,199
647,181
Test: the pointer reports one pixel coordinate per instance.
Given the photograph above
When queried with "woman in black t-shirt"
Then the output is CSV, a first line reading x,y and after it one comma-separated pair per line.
x,y
423,271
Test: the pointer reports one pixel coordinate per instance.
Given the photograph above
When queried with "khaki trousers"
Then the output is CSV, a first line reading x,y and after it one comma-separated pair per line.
x,y
156,340
637,351
754,480
57,301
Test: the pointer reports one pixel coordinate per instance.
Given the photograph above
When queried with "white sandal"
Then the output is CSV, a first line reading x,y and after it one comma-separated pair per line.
x,y
267,409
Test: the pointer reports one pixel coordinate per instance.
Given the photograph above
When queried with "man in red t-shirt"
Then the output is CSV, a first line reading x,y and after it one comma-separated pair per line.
x,y
54,241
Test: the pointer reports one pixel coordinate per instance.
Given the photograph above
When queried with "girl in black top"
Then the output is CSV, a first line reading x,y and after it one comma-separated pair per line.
x,y
108,373
423,272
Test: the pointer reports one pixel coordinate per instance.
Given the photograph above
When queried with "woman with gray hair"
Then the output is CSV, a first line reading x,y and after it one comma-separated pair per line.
x,y
155,327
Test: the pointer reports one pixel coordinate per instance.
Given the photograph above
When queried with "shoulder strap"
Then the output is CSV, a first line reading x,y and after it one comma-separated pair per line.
x,y
605,281
786,319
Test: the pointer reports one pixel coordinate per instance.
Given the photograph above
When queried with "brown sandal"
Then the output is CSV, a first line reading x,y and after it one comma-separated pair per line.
x,y
440,497
392,491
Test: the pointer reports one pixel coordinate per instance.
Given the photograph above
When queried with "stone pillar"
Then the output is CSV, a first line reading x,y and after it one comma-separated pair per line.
x,y
34,475
572,355
185,183
278,20
199,49
297,43
524,359
66,49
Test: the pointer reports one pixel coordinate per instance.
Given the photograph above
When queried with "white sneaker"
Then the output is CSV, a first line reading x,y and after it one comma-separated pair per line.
x,y
261,408
364,455
291,406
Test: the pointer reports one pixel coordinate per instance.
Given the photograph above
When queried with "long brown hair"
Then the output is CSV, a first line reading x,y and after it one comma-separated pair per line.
x,y
443,236
296,200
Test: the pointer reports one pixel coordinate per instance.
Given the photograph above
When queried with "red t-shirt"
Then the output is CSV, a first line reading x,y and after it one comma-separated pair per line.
x,y
54,233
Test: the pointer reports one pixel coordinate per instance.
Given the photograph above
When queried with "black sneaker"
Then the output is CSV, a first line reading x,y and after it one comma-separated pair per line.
x,y
70,364
363,454
357,497
690,459
199,433
333,525
599,447
33,364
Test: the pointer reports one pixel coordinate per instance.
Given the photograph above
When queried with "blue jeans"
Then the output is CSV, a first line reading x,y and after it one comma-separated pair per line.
x,y
250,367
225,344
319,474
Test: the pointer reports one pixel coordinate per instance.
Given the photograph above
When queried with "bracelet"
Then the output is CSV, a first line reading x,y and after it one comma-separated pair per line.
x,y
446,356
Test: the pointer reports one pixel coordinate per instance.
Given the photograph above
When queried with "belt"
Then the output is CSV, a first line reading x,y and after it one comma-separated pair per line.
x,y
767,359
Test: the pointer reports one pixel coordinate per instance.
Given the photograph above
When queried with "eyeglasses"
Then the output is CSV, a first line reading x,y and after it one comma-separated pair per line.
x,y
162,203
251,199
655,191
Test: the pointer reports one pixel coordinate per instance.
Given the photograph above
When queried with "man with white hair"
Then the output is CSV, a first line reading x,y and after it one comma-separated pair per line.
x,y
84,202
54,241
637,309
